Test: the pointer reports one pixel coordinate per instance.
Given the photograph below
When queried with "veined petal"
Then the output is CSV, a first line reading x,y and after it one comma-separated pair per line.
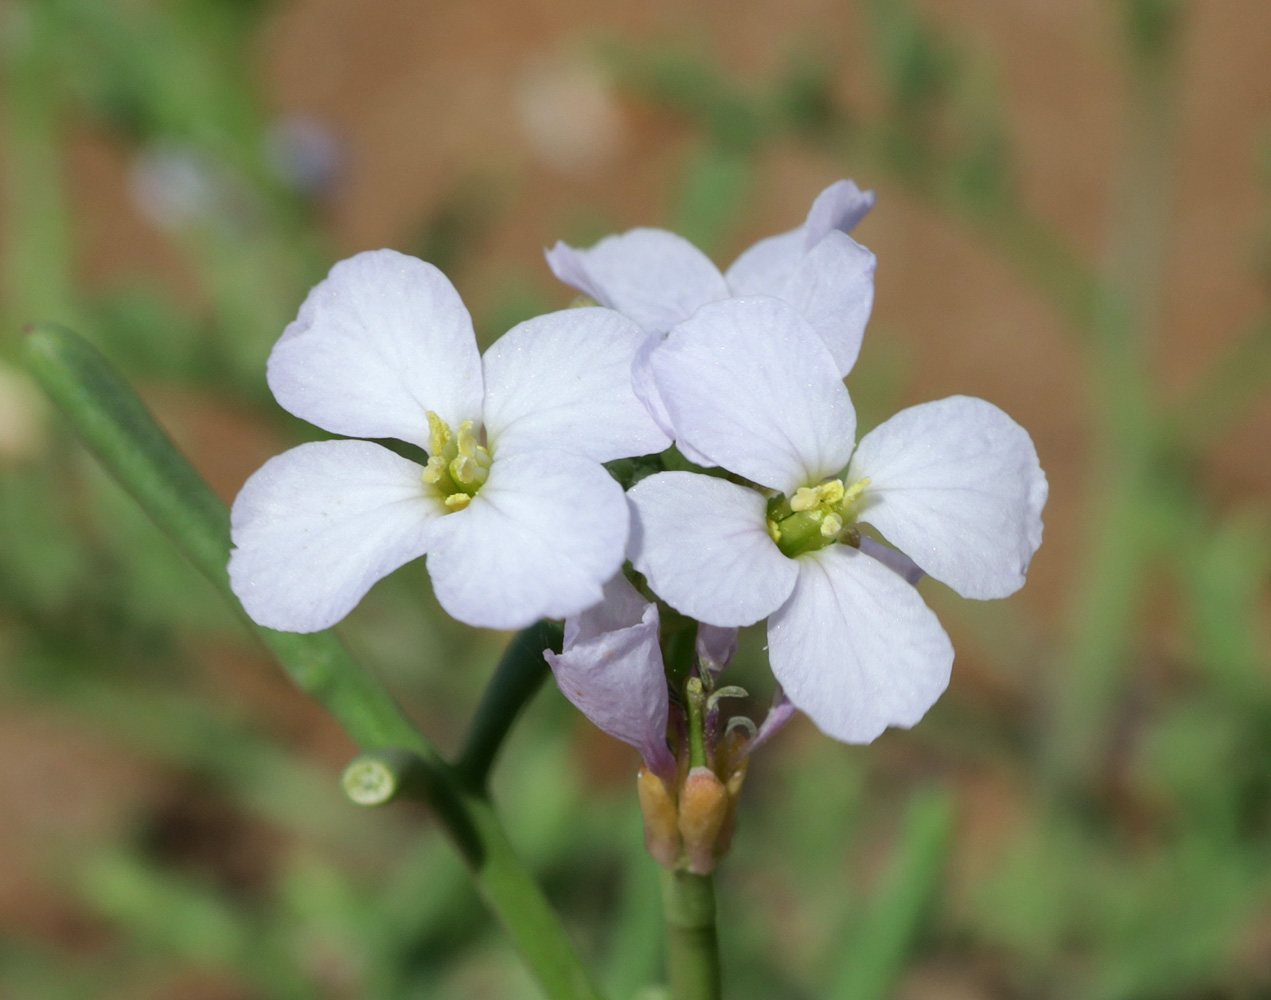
x,y
614,676
833,286
381,341
839,207
956,485
703,545
765,268
622,606
646,389
749,384
855,647
539,540
564,381
315,527
649,275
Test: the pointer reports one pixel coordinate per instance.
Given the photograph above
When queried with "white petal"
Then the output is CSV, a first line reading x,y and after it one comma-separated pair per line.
x,y
833,286
839,207
564,381
381,341
956,486
855,647
703,545
615,678
316,526
766,267
649,275
540,539
748,383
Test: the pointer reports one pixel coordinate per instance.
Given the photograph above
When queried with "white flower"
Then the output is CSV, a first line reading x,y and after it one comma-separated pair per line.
x,y
660,279
955,484
517,516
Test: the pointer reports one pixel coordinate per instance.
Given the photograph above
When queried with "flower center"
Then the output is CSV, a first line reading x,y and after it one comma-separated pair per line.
x,y
815,516
457,465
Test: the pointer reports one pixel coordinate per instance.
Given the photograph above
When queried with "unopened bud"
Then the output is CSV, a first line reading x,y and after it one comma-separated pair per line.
x,y
661,833
703,809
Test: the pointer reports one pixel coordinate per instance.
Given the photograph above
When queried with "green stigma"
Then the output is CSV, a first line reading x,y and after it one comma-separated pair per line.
x,y
815,516
457,465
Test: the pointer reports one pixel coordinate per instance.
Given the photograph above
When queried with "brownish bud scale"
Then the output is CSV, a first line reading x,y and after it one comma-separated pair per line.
x,y
703,809
661,830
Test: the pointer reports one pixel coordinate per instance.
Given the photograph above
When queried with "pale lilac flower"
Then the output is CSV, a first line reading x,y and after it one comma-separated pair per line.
x,y
611,668
660,279
518,518
955,484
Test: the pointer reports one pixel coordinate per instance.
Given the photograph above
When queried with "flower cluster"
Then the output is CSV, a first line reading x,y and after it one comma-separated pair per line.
x,y
779,513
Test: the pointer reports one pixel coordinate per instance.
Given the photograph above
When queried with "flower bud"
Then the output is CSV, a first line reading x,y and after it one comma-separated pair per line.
x,y
703,809
661,834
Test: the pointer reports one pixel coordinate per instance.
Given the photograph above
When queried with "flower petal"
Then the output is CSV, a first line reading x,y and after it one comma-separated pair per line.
x,y
855,647
539,540
749,384
381,341
833,286
839,207
716,647
615,678
957,486
703,545
564,381
622,606
646,389
649,275
315,527
767,267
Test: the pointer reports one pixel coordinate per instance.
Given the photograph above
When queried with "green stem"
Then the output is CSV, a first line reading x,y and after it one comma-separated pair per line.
x,y
519,675
112,420
692,945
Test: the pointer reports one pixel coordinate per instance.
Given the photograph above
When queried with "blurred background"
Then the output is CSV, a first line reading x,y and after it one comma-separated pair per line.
x,y
1072,222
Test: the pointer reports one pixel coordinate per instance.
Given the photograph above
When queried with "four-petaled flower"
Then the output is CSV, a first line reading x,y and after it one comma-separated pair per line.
x,y
518,518
954,484
660,279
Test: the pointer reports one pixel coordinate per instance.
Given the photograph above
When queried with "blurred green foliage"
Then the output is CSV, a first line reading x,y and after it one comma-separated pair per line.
x,y
1133,859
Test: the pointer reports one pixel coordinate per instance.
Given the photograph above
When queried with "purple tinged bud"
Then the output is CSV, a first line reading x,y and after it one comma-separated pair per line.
x,y
610,667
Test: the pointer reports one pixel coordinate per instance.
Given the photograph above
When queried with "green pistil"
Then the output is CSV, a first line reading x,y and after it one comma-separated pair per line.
x,y
458,464
815,516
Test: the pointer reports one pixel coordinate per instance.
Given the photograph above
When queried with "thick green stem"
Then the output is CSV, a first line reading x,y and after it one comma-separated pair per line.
x,y
520,674
692,945
112,420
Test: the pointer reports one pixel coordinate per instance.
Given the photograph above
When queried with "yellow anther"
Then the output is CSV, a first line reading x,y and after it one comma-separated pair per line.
x,y
434,470
466,472
774,530
458,501
469,446
805,498
831,526
853,492
831,492
438,434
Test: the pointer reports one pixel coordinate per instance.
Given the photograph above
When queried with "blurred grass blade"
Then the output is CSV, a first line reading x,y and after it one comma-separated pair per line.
x,y
875,954
113,421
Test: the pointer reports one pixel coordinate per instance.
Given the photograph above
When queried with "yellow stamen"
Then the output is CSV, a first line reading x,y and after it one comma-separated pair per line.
x,y
457,501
